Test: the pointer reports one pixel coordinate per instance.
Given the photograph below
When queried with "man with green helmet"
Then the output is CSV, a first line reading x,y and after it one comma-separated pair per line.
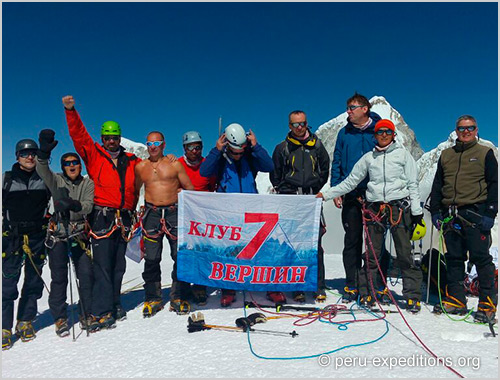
x,y
115,199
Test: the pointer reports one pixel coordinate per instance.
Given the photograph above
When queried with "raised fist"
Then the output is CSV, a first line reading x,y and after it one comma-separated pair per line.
x,y
68,102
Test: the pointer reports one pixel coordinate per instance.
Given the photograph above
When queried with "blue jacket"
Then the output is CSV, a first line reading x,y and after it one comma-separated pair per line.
x,y
229,178
352,143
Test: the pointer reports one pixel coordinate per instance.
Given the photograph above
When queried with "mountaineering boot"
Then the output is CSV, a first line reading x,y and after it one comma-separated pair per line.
x,y
276,297
92,323
25,331
107,321
349,295
486,311
85,322
151,308
180,306
6,339
62,327
119,313
320,296
413,306
450,305
366,301
299,297
383,297
227,297
200,296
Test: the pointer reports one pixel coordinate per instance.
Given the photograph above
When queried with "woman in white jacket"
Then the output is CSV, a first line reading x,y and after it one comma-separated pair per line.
x,y
393,199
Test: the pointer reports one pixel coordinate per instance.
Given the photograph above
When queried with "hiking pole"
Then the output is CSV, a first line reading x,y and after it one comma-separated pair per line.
x,y
65,222
279,308
196,322
71,295
429,267
82,306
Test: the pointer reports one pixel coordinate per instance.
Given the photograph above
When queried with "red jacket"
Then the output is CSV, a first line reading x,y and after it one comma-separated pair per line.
x,y
114,185
200,183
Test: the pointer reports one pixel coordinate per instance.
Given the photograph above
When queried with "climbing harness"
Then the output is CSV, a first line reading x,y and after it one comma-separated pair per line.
x,y
164,229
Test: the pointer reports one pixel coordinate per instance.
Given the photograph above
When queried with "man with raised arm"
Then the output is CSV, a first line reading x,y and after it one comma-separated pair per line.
x,y
162,179
115,200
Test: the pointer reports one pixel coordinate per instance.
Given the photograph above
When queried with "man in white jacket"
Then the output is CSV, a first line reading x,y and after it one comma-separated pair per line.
x,y
393,201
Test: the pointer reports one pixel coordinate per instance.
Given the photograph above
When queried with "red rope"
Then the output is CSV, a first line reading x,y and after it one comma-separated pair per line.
x,y
369,241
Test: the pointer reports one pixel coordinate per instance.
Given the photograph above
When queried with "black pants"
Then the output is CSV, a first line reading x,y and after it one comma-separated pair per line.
x,y
58,264
477,243
109,262
411,274
12,263
153,247
353,240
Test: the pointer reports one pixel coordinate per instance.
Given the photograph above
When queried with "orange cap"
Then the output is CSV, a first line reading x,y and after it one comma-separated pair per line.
x,y
385,123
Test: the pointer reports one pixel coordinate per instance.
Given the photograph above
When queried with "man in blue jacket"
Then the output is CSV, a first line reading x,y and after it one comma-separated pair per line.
x,y
353,141
235,161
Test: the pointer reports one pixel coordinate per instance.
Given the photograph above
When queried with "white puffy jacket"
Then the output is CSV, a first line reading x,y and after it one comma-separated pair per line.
x,y
393,175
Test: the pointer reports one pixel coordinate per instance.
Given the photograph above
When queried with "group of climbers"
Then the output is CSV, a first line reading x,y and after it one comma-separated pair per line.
x,y
373,180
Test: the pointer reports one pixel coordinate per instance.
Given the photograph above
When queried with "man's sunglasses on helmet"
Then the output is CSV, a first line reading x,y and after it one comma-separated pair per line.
x,y
71,162
154,143
108,137
194,147
470,128
299,124
26,153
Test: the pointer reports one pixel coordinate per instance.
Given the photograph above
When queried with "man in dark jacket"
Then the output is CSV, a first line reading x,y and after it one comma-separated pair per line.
x,y
73,200
25,200
235,160
115,200
464,204
353,141
301,165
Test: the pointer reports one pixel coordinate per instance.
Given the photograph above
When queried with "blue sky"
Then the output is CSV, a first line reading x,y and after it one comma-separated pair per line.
x,y
176,67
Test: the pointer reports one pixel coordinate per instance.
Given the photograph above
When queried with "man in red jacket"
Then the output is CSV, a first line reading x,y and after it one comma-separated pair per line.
x,y
115,199
192,159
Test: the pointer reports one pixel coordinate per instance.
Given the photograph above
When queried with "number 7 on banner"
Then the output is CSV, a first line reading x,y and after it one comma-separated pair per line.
x,y
270,221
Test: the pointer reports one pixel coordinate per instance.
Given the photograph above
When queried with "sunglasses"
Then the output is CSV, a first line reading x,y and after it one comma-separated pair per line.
x,y
236,153
27,153
195,147
352,108
469,128
154,143
72,162
114,138
299,124
388,132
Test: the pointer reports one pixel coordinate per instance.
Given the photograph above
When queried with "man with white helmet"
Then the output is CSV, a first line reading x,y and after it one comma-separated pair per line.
x,y
192,159
235,160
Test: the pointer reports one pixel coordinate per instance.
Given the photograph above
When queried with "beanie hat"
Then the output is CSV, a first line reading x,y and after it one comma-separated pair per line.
x,y
69,154
385,123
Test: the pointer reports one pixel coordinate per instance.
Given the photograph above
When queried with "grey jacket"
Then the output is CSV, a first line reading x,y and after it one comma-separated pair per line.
x,y
392,173
82,190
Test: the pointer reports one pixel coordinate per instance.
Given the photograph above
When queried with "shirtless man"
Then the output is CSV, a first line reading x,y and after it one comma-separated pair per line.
x,y
162,181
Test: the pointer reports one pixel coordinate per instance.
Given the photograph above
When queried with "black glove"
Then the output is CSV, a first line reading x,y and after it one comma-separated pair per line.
x,y
487,223
437,220
256,318
417,219
196,322
47,143
244,323
67,204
